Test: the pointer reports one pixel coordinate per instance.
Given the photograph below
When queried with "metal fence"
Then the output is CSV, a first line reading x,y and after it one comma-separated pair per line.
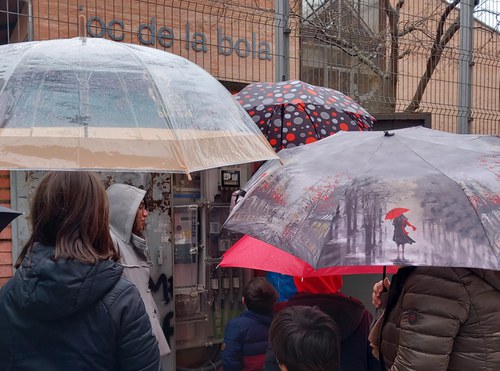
x,y
402,59
390,58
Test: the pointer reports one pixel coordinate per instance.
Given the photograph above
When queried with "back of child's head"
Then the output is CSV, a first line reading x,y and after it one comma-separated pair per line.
x,y
260,296
305,339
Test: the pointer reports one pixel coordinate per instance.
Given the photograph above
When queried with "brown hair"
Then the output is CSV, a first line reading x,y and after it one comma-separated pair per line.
x,y
70,211
260,296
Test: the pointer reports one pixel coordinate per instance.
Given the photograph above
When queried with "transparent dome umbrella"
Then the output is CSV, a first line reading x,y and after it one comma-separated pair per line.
x,y
328,203
96,104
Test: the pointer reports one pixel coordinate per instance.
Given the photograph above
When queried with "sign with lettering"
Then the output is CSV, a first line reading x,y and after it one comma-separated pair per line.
x,y
151,34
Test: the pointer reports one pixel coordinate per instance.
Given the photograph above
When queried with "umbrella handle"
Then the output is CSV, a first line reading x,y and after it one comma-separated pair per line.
x,y
384,274
384,296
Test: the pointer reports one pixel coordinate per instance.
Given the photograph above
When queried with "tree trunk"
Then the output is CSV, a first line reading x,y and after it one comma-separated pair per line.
x,y
393,19
437,50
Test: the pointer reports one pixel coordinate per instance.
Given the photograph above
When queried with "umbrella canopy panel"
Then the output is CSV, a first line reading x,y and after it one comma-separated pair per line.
x,y
292,113
328,203
98,104
252,253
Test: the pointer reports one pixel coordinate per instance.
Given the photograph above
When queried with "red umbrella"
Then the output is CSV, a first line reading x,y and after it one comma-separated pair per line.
x,y
394,213
252,253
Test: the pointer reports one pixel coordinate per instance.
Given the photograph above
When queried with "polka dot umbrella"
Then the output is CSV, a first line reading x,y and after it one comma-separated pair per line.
x,y
293,113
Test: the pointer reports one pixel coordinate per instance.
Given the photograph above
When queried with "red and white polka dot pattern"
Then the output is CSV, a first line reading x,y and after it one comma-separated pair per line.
x,y
292,113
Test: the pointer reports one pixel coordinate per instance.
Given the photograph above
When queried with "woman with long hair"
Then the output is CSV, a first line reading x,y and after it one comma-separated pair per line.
x,y
67,307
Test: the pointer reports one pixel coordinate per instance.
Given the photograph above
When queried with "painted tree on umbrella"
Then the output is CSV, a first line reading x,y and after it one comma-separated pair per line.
x,y
292,113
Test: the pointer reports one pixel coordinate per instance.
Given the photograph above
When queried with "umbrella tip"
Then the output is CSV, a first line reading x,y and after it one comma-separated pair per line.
x,y
387,134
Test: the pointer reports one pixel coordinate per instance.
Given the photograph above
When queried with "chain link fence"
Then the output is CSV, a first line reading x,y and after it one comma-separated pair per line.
x,y
402,57
392,57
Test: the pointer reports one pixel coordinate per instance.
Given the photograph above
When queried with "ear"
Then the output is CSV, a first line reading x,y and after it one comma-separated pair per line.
x,y
283,368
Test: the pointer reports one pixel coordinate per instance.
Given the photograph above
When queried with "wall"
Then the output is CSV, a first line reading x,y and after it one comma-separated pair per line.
x,y
233,40
6,234
441,94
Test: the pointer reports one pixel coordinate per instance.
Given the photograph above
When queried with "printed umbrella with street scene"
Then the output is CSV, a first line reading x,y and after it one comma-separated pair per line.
x,y
249,252
96,104
6,216
292,113
327,203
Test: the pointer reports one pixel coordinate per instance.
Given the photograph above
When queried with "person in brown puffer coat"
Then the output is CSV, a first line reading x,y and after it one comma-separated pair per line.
x,y
439,319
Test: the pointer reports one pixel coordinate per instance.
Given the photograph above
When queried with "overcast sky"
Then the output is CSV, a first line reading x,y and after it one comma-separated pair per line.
x,y
488,11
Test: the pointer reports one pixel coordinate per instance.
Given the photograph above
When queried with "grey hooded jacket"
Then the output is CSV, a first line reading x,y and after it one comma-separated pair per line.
x,y
124,200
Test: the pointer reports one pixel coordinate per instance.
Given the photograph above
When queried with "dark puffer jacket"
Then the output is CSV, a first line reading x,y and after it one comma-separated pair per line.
x,y
66,315
245,342
444,319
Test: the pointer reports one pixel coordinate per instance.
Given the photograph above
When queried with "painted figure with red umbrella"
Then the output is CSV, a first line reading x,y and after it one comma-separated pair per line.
x,y
400,222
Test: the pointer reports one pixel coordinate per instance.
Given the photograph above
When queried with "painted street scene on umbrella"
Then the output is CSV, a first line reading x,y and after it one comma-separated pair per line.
x,y
229,185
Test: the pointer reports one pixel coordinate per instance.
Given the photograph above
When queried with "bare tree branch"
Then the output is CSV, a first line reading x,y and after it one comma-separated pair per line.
x,y
323,33
393,19
323,25
350,49
436,53
404,54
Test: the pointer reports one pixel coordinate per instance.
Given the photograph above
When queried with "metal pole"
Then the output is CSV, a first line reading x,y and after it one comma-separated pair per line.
x,y
286,40
31,35
282,40
465,67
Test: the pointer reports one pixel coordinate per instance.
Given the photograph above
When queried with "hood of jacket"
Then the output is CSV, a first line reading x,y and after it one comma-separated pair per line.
x,y
347,312
48,290
124,200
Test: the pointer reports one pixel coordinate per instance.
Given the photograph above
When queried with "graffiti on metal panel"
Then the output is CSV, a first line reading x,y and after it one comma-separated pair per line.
x,y
167,288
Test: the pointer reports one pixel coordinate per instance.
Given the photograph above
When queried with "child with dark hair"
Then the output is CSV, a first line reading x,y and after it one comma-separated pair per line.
x,y
350,315
305,339
246,336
